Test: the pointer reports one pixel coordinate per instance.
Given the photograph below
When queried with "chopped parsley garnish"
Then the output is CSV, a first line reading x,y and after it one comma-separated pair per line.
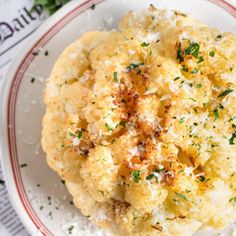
x,y
122,123
231,140
200,59
216,114
46,53
71,134
177,78
181,121
226,92
214,145
144,44
136,176
212,54
50,214
109,129
199,85
232,118
160,170
203,179
184,68
115,76
193,50
195,71
194,100
179,53
32,80
93,6
219,36
2,182
232,200
149,177
180,195
23,165
80,134
70,229
133,66
221,106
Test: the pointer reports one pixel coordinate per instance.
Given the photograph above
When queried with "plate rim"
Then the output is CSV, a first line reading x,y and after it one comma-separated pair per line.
x,y
8,83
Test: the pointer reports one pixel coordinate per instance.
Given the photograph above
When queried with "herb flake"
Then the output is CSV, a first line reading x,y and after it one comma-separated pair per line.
x,y
233,200
212,54
216,114
144,44
200,59
108,127
70,229
179,53
136,176
180,195
122,123
181,121
80,134
193,50
133,66
23,165
177,78
115,76
226,92
231,140
93,6
149,177
199,85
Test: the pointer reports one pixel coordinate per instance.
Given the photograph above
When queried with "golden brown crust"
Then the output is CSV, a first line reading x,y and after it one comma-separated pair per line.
x,y
140,123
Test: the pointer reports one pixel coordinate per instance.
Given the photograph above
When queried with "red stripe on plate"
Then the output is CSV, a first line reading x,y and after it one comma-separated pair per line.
x,y
12,104
226,5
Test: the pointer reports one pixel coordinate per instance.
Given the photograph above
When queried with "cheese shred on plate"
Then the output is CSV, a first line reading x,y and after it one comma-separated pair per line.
x,y
141,125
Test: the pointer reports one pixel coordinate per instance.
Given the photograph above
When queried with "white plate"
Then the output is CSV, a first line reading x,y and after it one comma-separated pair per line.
x,y
37,194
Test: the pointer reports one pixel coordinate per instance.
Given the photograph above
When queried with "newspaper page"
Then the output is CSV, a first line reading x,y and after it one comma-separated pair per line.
x,y
18,20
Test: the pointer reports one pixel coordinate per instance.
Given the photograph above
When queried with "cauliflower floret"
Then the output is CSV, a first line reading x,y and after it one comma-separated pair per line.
x,y
99,174
145,195
141,125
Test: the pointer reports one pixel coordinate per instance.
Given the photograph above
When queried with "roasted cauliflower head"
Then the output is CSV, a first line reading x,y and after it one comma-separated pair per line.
x,y
141,125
